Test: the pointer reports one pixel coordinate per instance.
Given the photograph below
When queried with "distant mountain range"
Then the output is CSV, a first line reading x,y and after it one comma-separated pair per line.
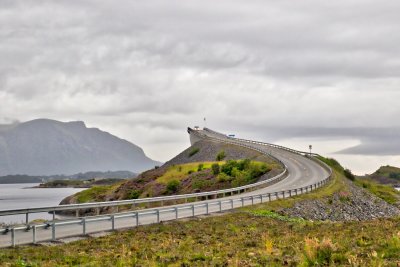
x,y
48,147
13,179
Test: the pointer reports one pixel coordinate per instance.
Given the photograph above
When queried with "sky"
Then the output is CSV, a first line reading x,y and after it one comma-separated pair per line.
x,y
325,73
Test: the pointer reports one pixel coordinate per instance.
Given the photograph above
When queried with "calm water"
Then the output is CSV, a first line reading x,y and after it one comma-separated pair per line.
x,y
19,196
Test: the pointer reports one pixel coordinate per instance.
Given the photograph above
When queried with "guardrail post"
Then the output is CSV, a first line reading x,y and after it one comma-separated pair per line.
x,y
231,203
97,211
276,196
283,193
158,215
207,208
295,191
176,212
53,232
220,206
261,196
137,218
112,222
290,193
192,210
27,218
269,197
34,234
13,237
252,200
77,213
54,215
84,226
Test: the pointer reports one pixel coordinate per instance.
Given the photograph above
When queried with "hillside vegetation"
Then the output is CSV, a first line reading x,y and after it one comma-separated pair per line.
x,y
385,175
206,166
261,235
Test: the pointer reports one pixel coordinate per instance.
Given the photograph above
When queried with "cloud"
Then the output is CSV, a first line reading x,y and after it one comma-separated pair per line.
x,y
144,70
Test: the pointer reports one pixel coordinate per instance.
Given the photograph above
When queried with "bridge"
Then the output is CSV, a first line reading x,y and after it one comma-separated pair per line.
x,y
302,173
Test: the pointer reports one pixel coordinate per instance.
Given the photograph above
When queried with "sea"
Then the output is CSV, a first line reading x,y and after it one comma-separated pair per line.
x,y
21,196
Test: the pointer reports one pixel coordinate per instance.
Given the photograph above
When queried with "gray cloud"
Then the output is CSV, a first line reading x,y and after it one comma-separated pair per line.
x,y
144,70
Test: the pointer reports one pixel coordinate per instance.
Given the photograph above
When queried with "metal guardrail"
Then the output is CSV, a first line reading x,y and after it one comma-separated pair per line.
x,y
263,143
98,205
157,214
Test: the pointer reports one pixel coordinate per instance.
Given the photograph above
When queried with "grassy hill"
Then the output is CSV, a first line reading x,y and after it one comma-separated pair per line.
x,y
388,175
189,172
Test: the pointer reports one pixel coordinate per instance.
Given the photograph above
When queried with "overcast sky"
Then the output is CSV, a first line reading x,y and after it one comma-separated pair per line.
x,y
278,71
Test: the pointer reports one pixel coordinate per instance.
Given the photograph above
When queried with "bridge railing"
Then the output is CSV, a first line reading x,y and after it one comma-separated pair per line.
x,y
151,215
262,143
155,215
97,206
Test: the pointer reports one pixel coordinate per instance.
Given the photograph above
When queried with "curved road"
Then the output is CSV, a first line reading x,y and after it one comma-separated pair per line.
x,y
301,172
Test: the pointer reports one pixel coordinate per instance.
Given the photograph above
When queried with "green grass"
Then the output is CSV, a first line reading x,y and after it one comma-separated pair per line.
x,y
236,239
254,236
179,172
385,192
387,171
93,194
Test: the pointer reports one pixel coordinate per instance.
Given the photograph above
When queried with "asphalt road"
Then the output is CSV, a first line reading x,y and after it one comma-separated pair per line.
x,y
302,172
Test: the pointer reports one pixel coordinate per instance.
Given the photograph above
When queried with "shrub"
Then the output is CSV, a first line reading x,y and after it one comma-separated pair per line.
x,y
318,253
215,168
222,177
190,171
194,151
173,185
221,155
200,167
228,166
134,194
349,175
244,164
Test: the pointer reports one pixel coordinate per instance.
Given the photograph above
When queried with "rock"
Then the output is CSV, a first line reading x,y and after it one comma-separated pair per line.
x,y
355,205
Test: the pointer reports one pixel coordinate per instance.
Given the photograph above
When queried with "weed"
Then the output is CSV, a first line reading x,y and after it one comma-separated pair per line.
x,y
317,253
221,155
194,151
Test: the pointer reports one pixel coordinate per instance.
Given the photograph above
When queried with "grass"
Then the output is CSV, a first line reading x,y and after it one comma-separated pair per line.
x,y
251,236
385,192
387,171
236,239
179,172
95,193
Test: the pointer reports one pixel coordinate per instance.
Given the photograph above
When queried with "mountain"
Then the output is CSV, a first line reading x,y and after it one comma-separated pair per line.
x,y
48,147
16,178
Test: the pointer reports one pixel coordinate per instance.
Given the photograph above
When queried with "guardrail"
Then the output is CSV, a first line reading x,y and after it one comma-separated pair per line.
x,y
40,232
262,143
186,197
151,215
